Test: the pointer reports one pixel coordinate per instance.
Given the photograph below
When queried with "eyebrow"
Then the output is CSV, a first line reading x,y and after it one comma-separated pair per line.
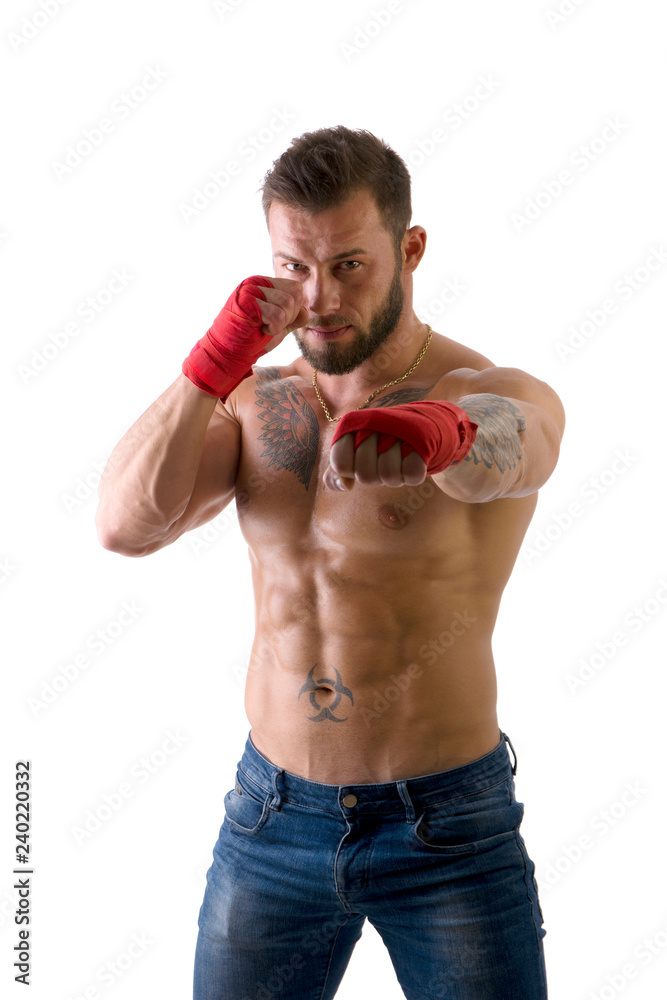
x,y
339,256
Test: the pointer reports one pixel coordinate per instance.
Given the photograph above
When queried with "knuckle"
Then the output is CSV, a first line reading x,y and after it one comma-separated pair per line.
x,y
366,473
342,464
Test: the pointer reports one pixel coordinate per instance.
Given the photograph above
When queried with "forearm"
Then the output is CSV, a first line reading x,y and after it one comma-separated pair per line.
x,y
150,475
513,454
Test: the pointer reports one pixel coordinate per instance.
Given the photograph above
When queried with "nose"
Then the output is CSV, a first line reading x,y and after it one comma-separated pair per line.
x,y
320,295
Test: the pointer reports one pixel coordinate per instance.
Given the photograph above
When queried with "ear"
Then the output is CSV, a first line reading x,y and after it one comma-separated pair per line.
x,y
413,246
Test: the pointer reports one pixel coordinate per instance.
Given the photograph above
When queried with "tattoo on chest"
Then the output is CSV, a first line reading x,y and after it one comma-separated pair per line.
x,y
291,435
410,394
291,431
320,697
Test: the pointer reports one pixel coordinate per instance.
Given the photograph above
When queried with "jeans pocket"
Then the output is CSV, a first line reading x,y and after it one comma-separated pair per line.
x,y
246,805
469,824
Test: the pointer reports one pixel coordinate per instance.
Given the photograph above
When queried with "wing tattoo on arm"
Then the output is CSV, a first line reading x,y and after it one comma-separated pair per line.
x,y
500,423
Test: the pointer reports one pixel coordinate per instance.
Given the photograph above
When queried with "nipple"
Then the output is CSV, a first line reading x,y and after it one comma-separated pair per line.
x,y
392,515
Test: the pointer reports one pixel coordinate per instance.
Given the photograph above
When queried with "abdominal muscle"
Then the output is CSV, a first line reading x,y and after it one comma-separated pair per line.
x,y
368,678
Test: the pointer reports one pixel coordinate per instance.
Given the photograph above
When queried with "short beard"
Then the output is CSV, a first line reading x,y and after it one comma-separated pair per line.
x,y
333,359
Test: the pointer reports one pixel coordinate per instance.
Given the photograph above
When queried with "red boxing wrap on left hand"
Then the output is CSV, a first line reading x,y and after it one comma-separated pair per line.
x,y
439,431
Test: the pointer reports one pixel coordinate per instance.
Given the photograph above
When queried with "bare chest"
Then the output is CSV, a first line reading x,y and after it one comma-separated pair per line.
x,y
280,495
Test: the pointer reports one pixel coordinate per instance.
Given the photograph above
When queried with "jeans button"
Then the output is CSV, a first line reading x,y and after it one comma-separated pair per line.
x,y
350,800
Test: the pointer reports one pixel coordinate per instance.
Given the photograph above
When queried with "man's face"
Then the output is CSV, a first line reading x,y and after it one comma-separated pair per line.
x,y
350,270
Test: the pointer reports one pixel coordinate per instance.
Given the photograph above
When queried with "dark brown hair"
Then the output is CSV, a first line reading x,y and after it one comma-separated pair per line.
x,y
322,169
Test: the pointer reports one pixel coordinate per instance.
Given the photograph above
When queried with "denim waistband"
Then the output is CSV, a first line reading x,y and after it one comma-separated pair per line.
x,y
385,797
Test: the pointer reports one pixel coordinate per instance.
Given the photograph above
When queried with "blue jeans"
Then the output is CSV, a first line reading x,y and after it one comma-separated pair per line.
x,y
436,863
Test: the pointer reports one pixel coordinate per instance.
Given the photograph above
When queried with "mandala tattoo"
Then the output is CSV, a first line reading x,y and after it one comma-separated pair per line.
x,y
312,687
291,436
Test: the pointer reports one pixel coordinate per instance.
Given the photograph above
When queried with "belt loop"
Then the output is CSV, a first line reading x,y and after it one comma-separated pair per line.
x,y
508,740
410,814
276,799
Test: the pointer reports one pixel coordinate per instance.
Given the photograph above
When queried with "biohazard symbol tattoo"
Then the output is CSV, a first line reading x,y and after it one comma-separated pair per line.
x,y
313,687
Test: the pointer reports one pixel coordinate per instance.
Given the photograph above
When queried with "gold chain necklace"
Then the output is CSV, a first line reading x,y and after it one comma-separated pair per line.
x,y
386,386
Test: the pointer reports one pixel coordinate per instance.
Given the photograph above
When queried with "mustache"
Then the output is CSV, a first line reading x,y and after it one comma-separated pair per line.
x,y
328,324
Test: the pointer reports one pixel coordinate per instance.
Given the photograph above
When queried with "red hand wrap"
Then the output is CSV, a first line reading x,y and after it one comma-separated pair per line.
x,y
440,432
224,355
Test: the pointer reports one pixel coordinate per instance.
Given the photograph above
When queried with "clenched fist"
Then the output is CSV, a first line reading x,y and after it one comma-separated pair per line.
x,y
257,317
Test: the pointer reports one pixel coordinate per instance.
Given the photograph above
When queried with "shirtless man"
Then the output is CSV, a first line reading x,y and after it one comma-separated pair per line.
x,y
375,781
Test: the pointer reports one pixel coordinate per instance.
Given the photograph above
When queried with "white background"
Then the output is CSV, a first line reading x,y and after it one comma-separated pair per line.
x,y
591,581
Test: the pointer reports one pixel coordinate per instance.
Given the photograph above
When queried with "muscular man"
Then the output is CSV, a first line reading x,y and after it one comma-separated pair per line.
x,y
384,480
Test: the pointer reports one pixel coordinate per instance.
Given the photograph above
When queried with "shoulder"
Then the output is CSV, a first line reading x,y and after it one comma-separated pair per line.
x,y
511,383
261,380
453,356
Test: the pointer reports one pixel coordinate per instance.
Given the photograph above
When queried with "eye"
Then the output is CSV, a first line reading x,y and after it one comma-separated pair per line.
x,y
355,265
291,264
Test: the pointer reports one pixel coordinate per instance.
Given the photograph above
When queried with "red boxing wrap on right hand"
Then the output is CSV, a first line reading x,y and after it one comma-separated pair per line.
x,y
225,354
439,431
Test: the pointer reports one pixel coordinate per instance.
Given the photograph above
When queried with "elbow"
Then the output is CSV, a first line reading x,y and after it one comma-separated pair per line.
x,y
113,538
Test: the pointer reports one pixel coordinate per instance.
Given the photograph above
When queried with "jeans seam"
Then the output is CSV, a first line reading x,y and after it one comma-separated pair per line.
x,y
265,791
463,795
331,954
250,830
526,877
